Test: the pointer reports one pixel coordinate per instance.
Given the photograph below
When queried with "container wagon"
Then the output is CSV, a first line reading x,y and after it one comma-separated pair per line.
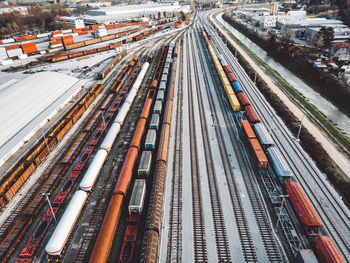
x,y
154,124
145,164
137,197
151,139
160,96
158,107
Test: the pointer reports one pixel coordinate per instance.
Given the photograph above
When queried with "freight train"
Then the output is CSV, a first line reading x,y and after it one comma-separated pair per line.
x,y
261,146
11,183
106,235
10,240
57,242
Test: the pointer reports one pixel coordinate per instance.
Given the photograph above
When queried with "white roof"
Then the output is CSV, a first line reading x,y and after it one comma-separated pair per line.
x,y
27,104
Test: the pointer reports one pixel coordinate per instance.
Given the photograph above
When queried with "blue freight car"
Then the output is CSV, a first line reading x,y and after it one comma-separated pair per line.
x,y
237,88
279,165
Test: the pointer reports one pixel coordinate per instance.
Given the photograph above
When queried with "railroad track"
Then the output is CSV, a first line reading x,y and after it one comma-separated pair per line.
x,y
217,210
263,221
246,242
174,251
301,165
199,239
87,241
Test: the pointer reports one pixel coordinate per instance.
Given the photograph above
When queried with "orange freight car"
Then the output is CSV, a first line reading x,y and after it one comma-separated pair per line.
x,y
257,153
11,47
106,38
303,208
92,41
115,45
138,134
247,130
108,228
100,49
74,46
126,172
77,54
90,51
164,143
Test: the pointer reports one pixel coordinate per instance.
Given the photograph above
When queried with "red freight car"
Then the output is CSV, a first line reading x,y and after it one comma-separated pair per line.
x,y
303,208
326,250
251,114
243,100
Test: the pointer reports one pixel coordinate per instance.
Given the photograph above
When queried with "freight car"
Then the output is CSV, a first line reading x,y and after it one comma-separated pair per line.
x,y
151,139
137,197
154,121
144,168
58,241
33,243
108,228
152,227
326,250
104,72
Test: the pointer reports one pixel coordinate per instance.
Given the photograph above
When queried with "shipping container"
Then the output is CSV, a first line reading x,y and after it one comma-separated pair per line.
x,y
154,124
151,139
29,48
137,197
144,168
158,107
160,95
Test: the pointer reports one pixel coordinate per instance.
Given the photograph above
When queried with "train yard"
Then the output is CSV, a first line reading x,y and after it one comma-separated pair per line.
x,y
172,155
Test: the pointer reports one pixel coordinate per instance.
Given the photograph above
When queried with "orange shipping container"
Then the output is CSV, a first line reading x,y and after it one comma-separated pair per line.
x,y
109,27
77,30
55,42
82,33
68,41
54,38
29,48
56,32
11,47
94,27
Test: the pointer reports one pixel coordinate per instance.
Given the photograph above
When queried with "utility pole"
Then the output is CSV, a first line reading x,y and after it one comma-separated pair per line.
x,y
301,124
255,78
48,200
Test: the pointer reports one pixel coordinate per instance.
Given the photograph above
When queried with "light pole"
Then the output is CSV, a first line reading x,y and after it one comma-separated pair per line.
x,y
48,200
301,124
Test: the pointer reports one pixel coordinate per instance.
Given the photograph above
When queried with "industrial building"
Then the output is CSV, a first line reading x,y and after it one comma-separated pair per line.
x,y
126,12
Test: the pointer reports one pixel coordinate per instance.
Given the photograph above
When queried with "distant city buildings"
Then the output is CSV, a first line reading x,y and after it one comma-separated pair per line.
x,y
294,24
